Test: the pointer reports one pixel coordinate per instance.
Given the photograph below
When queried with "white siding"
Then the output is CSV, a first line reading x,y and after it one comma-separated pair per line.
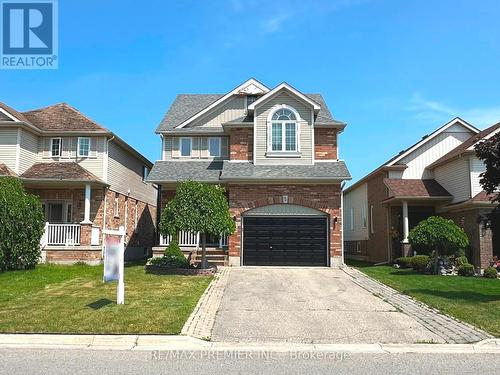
x,y
356,201
305,131
431,151
29,150
125,174
396,174
476,168
93,163
8,147
454,177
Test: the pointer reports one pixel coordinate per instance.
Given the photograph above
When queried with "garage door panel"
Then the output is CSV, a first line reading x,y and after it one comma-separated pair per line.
x,y
299,241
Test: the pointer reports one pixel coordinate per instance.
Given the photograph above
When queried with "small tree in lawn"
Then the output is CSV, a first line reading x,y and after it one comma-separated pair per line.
x,y
198,207
21,226
488,151
440,235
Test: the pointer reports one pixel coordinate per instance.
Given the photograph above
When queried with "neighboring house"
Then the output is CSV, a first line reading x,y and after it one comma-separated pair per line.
x,y
439,175
275,151
86,177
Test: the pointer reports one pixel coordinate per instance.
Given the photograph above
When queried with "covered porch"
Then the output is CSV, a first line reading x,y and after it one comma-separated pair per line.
x,y
410,201
72,202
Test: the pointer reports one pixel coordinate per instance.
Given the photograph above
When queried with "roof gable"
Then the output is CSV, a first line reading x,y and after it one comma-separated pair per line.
x,y
448,126
284,87
468,145
251,86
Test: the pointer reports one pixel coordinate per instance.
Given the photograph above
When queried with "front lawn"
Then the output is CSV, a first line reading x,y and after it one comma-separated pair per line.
x,y
73,299
473,300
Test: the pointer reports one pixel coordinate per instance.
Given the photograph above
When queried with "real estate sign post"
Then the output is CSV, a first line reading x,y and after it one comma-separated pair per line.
x,y
114,251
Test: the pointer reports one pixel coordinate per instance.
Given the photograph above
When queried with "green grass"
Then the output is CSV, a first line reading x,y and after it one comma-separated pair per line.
x,y
73,299
471,299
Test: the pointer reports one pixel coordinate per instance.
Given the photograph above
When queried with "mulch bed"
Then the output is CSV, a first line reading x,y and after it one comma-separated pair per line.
x,y
158,270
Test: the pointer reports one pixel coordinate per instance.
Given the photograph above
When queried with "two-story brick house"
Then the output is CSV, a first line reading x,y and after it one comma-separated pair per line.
x,y
275,151
439,175
87,178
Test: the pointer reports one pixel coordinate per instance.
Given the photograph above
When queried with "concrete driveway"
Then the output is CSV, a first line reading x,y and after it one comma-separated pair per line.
x,y
313,305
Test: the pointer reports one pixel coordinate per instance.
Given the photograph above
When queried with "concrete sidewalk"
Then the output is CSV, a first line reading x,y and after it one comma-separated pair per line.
x,y
185,343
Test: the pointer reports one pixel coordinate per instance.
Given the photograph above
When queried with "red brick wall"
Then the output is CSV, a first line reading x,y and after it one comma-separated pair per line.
x,y
480,239
325,143
143,236
241,144
324,197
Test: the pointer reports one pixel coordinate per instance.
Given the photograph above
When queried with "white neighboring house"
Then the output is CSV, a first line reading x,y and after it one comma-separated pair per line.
x,y
439,175
87,178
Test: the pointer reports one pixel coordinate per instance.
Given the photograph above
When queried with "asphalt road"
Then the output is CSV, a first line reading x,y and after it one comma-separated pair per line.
x,y
36,361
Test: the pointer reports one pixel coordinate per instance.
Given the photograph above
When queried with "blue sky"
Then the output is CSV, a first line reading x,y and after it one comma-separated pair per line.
x,y
393,70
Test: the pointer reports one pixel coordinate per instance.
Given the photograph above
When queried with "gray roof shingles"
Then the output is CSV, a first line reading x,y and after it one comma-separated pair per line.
x,y
186,106
335,170
175,170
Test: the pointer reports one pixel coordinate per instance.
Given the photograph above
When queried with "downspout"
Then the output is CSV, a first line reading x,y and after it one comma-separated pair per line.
x,y
342,223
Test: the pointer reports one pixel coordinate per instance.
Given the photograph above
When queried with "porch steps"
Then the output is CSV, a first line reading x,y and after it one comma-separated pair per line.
x,y
216,257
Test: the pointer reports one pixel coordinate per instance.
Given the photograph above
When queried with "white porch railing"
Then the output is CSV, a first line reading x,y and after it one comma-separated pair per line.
x,y
61,234
190,239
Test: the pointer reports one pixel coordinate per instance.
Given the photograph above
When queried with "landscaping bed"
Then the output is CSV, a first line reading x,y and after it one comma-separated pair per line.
x,y
73,299
160,270
475,300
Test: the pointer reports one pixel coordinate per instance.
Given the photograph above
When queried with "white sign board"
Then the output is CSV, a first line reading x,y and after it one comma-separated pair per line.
x,y
114,252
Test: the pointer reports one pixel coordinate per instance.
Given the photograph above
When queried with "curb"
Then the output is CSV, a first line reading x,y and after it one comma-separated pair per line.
x,y
185,343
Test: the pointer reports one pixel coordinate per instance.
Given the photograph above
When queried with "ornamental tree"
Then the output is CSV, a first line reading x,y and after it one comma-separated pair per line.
x,y
197,207
21,228
440,235
488,150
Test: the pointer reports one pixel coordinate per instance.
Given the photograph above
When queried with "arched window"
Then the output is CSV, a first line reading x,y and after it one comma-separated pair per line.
x,y
283,131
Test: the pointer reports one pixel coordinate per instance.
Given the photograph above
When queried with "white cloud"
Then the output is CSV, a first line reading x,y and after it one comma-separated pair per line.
x,y
274,24
436,111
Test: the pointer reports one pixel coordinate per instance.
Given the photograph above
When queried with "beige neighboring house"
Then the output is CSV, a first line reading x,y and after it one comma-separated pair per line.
x,y
87,178
439,175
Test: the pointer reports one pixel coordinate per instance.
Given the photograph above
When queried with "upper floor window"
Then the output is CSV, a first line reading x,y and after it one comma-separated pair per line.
x,y
55,147
145,172
284,131
83,146
214,146
186,145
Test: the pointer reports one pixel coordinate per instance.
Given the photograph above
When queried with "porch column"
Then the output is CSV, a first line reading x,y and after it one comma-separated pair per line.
x,y
86,217
406,226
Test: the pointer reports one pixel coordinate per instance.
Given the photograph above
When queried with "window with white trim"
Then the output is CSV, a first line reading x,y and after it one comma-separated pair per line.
x,y
364,218
83,146
284,131
145,172
186,146
214,146
55,147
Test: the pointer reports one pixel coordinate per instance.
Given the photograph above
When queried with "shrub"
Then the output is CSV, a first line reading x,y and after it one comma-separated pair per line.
x,y
420,262
437,233
21,228
490,273
460,261
403,262
173,256
466,270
